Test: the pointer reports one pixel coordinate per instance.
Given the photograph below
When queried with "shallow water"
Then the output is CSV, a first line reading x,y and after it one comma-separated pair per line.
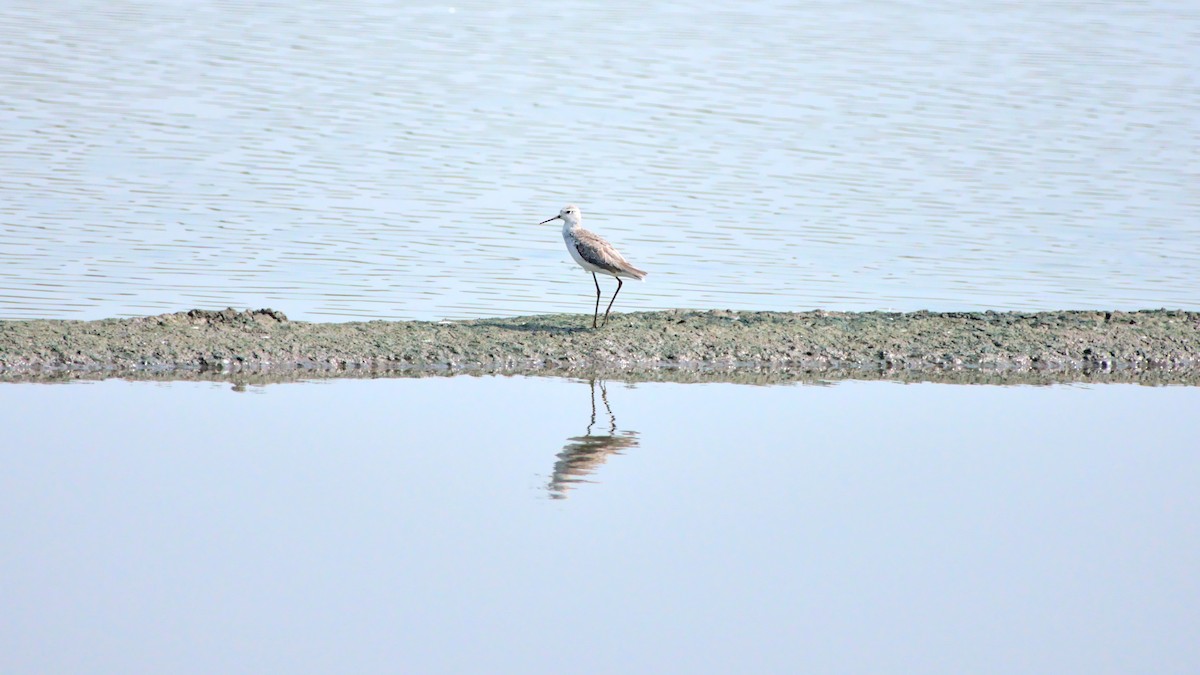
x,y
368,160
436,525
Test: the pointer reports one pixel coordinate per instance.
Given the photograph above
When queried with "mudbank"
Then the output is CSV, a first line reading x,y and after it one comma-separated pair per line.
x,y
1161,345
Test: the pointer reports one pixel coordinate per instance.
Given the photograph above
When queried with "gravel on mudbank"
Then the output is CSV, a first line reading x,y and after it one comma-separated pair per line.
x,y
891,345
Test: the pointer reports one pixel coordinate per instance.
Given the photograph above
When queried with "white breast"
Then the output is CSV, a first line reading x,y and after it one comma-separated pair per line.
x,y
570,241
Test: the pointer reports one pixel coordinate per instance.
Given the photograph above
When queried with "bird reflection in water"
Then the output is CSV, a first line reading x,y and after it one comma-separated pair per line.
x,y
583,455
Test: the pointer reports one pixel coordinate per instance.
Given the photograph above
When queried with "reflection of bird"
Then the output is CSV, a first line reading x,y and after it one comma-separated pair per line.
x,y
594,255
583,455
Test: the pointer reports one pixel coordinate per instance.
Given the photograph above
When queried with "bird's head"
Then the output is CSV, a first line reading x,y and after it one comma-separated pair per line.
x,y
569,214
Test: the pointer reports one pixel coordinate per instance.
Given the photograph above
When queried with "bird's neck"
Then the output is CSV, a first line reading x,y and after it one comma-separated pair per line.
x,y
568,226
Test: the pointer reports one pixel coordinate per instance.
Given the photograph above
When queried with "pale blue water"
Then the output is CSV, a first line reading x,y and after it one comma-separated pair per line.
x,y
387,160
410,526
382,160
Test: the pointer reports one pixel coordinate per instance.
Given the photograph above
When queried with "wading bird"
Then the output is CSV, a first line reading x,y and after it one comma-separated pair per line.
x,y
594,255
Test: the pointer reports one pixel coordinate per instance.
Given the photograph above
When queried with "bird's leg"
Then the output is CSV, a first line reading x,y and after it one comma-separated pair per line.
x,y
614,299
596,314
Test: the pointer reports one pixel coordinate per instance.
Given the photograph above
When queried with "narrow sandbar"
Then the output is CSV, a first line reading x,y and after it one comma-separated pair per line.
x,y
1159,346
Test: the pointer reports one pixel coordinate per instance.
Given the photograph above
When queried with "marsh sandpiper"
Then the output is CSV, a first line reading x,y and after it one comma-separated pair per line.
x,y
594,255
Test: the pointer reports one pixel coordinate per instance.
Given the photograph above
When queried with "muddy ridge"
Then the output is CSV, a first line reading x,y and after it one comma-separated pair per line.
x,y
1159,346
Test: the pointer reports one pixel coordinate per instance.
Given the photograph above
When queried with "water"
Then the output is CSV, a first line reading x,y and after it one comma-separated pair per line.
x,y
373,160
417,526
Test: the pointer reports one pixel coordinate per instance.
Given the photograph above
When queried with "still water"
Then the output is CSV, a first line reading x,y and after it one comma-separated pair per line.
x,y
392,160
542,525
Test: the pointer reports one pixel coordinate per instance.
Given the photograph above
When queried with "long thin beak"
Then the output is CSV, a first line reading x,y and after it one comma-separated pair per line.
x,y
549,219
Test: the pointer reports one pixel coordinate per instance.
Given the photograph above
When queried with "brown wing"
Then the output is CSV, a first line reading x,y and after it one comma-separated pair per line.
x,y
600,253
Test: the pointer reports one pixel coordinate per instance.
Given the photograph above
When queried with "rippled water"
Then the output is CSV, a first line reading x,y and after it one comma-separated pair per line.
x,y
369,160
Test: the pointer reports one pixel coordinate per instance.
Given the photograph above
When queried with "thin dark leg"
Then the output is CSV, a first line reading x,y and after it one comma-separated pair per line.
x,y
593,422
612,419
614,299
597,312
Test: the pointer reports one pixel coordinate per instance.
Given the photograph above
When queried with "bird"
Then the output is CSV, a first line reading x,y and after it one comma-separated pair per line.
x,y
594,254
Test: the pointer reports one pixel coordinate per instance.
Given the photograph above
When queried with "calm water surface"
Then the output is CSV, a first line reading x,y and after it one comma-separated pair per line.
x,y
511,525
391,160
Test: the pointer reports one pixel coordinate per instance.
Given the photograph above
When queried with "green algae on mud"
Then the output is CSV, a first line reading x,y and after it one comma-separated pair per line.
x,y
675,344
